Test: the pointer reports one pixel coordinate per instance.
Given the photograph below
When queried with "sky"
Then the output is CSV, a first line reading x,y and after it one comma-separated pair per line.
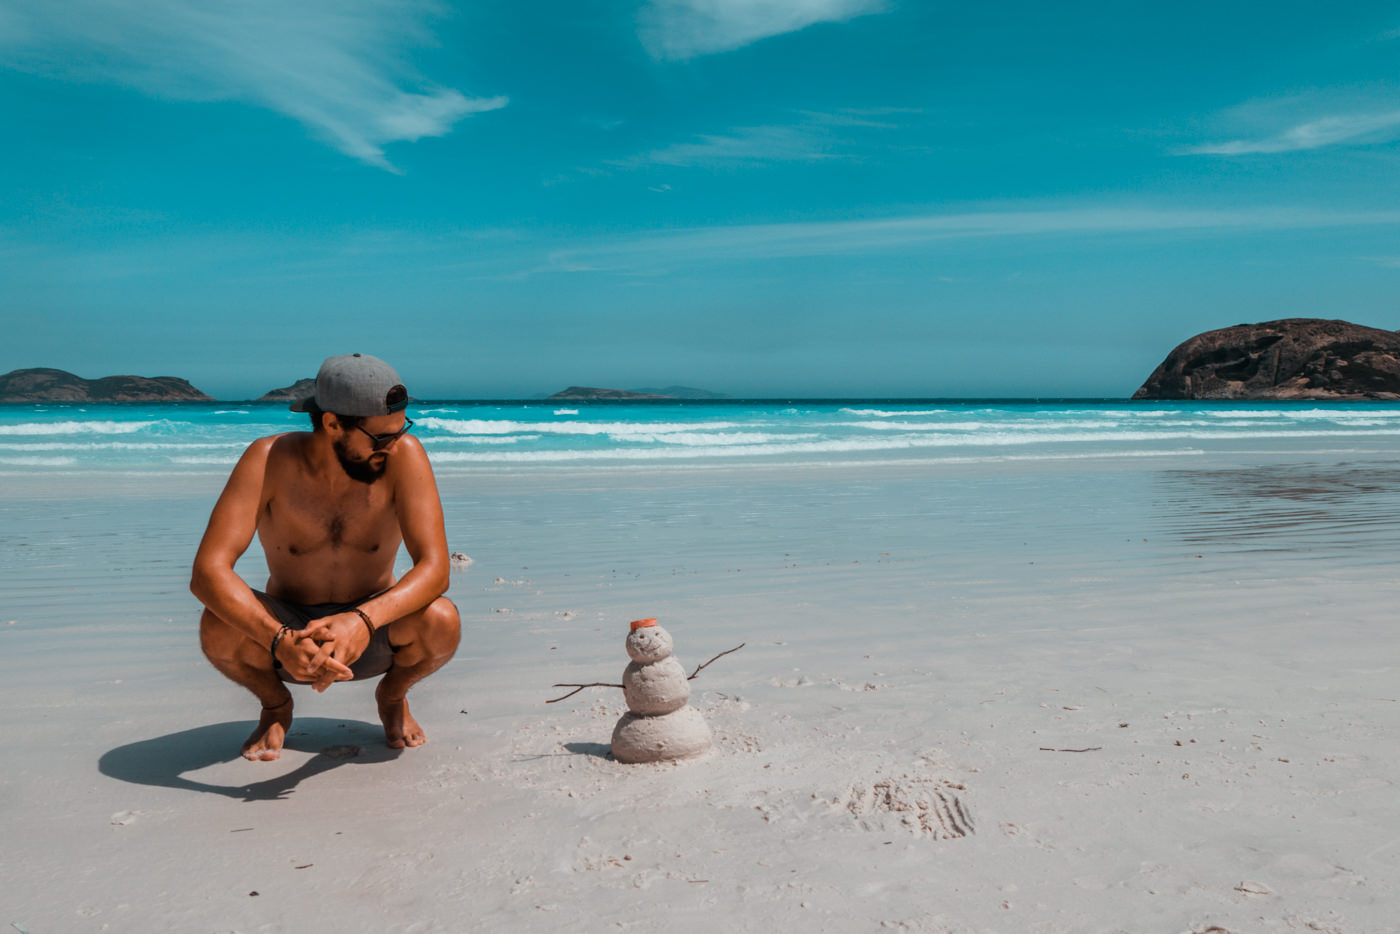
x,y
764,198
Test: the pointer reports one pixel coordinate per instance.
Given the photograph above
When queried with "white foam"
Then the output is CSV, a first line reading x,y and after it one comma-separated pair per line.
x,y
920,441
204,461
897,413
38,461
477,426
119,446
718,439
566,411
78,428
433,443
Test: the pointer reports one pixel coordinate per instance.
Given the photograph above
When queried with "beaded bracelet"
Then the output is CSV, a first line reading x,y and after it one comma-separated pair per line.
x,y
368,625
272,650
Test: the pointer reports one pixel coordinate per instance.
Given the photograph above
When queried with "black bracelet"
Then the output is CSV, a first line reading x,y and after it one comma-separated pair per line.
x,y
368,625
272,650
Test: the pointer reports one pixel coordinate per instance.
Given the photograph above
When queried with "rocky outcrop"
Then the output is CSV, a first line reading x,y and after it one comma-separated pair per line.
x,y
1295,358
683,392
589,393
49,385
301,389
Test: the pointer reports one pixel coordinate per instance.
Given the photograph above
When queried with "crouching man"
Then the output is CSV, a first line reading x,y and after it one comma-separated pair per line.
x,y
330,507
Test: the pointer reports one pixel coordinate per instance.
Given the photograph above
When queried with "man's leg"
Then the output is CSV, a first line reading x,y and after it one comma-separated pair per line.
x,y
422,642
245,662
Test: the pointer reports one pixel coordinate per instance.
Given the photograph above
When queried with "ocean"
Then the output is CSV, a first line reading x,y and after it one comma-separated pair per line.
x,y
482,436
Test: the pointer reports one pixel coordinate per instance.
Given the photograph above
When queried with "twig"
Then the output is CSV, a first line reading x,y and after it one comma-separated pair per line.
x,y
719,656
1087,749
579,687
603,684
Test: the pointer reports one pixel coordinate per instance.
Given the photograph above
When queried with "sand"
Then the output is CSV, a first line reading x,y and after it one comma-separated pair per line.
x,y
1103,695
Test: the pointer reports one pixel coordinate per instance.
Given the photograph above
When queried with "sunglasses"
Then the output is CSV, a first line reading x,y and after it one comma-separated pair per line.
x,y
380,442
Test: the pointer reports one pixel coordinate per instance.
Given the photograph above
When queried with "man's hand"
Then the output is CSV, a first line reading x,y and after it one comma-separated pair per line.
x,y
302,658
340,640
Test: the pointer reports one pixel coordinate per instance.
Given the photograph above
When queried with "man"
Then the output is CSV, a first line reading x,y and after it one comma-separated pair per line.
x,y
330,507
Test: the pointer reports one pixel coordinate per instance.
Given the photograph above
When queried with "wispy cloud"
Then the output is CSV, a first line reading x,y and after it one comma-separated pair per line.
x,y
681,29
825,238
816,136
1356,128
339,67
750,145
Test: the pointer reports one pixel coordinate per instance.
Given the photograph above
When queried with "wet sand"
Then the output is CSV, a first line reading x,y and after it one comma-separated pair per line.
x,y
1100,695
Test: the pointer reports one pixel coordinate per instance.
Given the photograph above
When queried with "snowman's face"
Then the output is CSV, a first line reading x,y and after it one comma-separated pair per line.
x,y
648,644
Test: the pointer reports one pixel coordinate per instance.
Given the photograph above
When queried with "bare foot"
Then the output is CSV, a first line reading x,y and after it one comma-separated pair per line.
x,y
400,729
266,742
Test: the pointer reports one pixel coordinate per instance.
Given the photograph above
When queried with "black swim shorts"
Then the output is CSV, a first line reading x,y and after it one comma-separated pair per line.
x,y
377,657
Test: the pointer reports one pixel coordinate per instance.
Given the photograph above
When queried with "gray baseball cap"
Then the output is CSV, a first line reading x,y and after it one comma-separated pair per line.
x,y
355,384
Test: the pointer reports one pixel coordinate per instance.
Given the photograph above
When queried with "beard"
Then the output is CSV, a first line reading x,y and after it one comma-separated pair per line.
x,y
365,471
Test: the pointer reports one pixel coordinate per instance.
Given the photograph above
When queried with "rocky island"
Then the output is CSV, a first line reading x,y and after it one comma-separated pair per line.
x,y
592,394
301,389
1293,358
44,384
589,393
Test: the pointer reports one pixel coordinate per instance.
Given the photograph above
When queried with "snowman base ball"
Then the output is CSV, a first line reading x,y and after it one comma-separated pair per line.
x,y
677,735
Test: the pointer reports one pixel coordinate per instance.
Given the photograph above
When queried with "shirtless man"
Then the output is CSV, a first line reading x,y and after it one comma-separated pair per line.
x,y
330,507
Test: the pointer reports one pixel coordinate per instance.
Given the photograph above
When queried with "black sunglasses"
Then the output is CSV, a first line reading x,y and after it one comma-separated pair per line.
x,y
380,442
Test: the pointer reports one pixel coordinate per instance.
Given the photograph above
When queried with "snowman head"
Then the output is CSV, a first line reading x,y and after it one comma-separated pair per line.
x,y
648,642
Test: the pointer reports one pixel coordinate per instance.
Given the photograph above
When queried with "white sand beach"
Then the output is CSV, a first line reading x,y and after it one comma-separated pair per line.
x,y
1152,694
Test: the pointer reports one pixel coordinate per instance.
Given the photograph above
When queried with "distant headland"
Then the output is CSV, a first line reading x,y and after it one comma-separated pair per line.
x,y
1293,358
592,394
301,389
43,384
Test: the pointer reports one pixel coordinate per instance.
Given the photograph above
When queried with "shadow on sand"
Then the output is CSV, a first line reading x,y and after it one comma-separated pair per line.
x,y
164,760
599,750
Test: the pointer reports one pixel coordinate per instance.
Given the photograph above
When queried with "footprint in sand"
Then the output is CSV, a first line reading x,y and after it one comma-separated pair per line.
x,y
927,807
123,818
347,751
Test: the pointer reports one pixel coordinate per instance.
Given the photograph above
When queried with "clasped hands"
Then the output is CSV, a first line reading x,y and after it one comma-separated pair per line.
x,y
323,652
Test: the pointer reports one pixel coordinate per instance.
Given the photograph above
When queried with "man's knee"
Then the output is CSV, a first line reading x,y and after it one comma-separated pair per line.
x,y
442,626
217,638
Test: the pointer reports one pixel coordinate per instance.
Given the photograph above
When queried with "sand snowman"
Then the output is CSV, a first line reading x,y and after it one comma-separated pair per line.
x,y
659,723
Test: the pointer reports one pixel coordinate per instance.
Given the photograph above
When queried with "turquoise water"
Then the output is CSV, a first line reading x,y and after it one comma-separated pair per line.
x,y
192,438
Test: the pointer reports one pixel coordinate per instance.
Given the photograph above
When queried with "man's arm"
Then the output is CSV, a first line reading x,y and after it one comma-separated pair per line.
x,y
419,510
213,580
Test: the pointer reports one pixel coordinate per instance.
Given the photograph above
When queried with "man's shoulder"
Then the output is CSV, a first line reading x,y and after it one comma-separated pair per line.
x,y
273,448
410,466
285,441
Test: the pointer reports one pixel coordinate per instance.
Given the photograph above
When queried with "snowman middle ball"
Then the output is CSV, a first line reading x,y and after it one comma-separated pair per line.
x,y
655,687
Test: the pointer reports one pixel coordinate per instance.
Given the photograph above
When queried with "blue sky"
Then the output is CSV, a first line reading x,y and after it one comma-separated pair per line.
x,y
771,197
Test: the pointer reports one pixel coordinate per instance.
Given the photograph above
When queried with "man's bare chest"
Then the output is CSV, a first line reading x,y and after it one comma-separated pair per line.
x,y
301,519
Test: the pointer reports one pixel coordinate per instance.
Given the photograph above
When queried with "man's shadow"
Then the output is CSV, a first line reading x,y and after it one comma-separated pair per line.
x,y
164,760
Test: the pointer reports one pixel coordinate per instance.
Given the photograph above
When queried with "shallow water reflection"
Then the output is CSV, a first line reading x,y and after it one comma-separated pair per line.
x,y
1344,508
